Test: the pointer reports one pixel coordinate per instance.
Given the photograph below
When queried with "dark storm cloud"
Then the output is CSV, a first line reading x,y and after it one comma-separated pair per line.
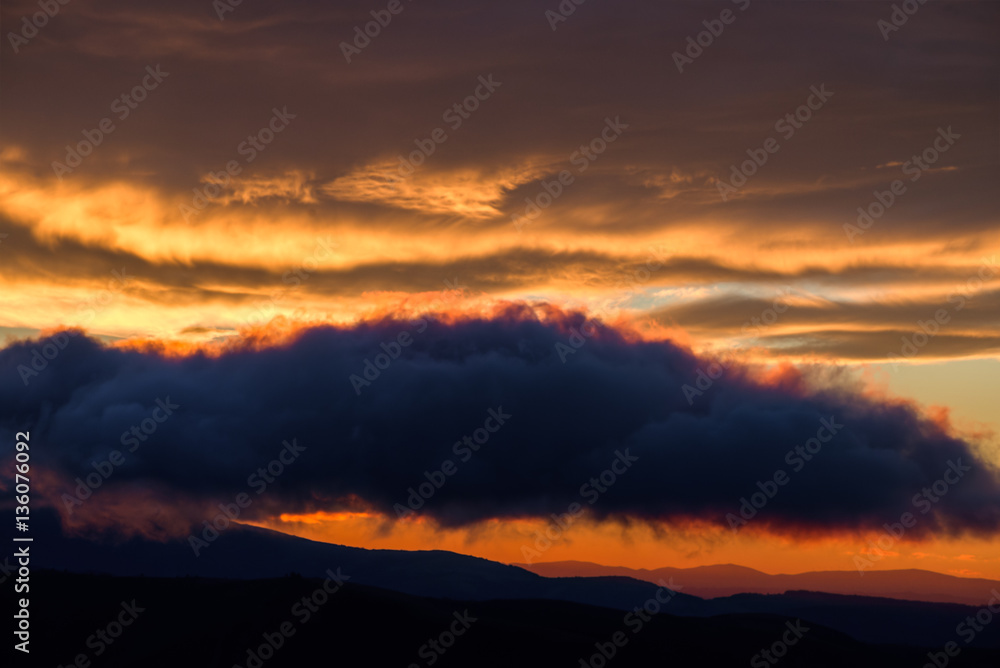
x,y
567,422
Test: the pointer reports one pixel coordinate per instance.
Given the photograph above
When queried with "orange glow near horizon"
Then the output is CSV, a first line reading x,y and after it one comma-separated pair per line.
x,y
643,546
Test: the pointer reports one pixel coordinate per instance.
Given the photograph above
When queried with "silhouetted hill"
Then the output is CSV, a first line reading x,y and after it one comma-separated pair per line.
x,y
866,618
198,623
728,579
250,553
247,552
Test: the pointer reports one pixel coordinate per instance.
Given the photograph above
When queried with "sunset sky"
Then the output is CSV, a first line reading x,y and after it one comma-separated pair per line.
x,y
553,201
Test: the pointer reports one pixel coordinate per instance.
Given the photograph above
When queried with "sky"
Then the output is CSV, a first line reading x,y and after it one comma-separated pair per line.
x,y
693,230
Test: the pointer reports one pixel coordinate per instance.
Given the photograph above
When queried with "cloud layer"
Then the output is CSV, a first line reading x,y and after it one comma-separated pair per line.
x,y
575,402
332,173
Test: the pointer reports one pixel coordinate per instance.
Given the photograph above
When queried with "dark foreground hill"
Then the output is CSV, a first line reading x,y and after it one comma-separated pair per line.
x,y
195,623
246,552
254,554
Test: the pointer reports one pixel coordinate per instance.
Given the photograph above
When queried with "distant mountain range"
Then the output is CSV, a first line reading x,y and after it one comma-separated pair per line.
x,y
250,553
728,579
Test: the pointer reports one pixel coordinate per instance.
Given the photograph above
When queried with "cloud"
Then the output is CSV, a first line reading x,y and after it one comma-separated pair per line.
x,y
614,394
334,172
465,192
958,322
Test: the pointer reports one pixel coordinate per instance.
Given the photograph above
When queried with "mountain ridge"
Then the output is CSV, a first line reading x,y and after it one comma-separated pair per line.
x,y
713,581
